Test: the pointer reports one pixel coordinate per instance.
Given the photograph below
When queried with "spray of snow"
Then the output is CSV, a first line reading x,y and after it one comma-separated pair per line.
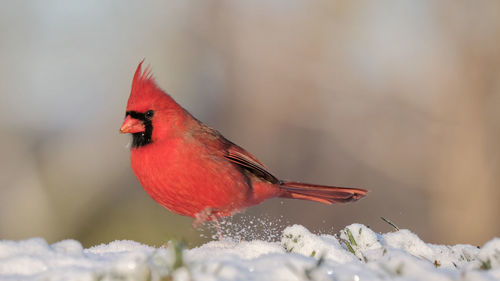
x,y
241,227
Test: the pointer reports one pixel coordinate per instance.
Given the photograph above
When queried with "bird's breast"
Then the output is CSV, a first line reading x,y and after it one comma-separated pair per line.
x,y
186,177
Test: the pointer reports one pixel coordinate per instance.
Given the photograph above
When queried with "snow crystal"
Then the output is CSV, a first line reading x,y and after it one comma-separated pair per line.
x,y
298,239
409,242
242,250
69,246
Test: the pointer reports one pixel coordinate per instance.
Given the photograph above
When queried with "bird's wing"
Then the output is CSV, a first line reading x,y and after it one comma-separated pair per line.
x,y
247,161
232,152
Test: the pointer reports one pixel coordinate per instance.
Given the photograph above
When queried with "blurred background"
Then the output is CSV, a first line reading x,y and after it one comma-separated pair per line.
x,y
401,98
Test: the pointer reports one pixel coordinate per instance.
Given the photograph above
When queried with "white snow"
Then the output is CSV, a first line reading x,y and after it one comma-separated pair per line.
x,y
356,253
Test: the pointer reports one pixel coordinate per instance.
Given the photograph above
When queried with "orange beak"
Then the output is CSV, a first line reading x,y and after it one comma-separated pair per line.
x,y
132,125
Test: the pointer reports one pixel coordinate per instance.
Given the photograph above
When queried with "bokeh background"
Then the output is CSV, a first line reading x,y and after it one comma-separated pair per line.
x,y
399,97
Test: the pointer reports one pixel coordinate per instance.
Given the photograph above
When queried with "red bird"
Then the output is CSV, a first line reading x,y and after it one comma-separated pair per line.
x,y
192,170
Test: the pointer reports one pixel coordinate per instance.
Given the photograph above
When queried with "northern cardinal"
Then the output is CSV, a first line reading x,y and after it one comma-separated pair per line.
x,y
192,170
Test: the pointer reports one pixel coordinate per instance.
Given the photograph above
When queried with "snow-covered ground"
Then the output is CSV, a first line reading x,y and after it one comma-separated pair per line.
x,y
356,253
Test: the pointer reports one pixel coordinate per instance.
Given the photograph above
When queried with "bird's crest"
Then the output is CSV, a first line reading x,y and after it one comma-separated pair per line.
x,y
145,94
143,76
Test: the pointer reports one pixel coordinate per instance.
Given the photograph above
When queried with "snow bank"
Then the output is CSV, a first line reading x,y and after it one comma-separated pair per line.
x,y
356,253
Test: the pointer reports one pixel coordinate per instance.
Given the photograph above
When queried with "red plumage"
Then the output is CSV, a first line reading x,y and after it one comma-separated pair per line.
x,y
191,169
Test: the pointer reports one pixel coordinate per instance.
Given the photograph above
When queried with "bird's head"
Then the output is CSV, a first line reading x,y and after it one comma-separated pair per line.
x,y
150,111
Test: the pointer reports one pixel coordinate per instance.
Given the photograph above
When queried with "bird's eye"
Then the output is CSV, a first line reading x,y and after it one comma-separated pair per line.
x,y
149,114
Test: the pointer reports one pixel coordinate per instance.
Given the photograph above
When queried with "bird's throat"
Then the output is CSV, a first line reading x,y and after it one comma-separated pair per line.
x,y
144,138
